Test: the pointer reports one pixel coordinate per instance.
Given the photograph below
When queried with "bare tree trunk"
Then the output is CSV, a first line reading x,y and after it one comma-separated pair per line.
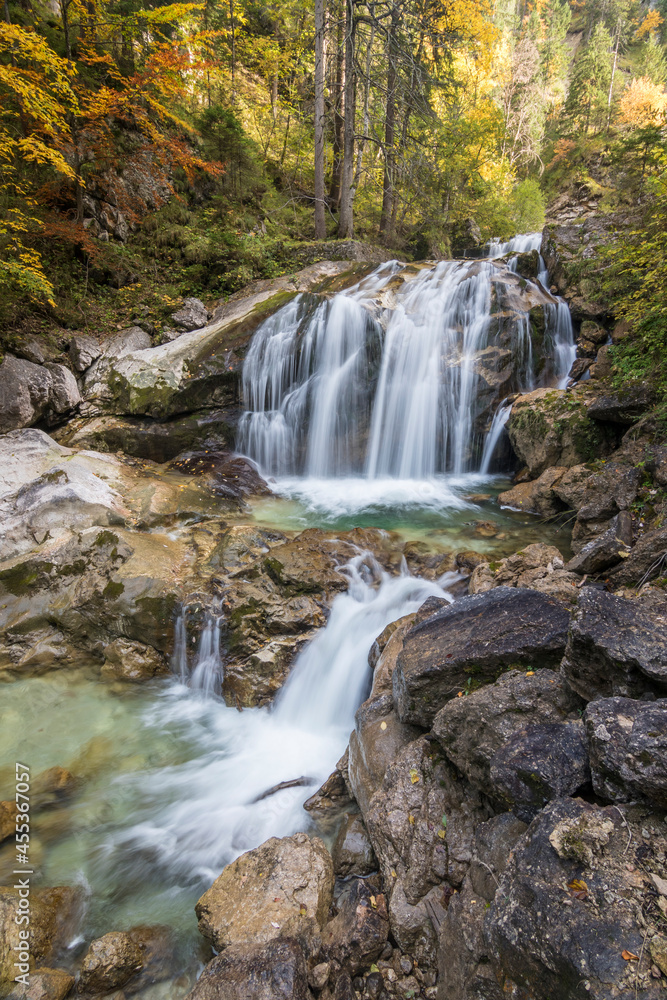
x,y
345,218
613,71
232,25
389,129
64,12
339,85
7,17
320,220
367,120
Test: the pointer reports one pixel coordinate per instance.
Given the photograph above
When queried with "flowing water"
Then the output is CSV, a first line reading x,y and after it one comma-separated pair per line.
x,y
364,410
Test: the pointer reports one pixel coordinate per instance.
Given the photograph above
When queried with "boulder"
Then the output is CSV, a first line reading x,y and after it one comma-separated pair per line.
x,y
647,560
564,918
53,786
193,315
109,963
83,350
625,406
132,661
538,566
269,892
628,749
44,984
551,428
25,392
32,350
474,728
54,916
64,394
355,937
616,646
536,496
377,739
8,814
597,495
329,801
472,642
352,852
275,970
539,764
607,549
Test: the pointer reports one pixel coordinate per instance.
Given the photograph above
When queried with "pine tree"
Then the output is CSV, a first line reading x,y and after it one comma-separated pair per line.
x,y
590,80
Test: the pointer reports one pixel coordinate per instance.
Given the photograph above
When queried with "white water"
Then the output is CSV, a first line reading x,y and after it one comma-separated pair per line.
x,y
206,673
194,818
382,383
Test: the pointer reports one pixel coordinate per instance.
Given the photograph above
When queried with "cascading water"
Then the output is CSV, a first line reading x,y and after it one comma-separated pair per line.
x,y
206,672
193,819
394,378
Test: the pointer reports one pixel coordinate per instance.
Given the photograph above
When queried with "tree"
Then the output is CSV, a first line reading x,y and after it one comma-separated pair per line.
x,y
590,80
320,72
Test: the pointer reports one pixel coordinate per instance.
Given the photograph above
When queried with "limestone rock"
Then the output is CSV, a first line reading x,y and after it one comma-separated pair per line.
x,y
25,391
646,560
44,984
476,637
193,315
132,661
83,350
539,764
551,428
538,566
54,915
275,970
32,350
537,496
616,646
623,407
329,801
558,942
607,549
376,741
355,937
268,892
628,748
64,394
109,963
472,729
352,852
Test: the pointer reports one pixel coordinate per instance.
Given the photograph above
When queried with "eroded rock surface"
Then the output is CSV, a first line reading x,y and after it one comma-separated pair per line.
x,y
628,749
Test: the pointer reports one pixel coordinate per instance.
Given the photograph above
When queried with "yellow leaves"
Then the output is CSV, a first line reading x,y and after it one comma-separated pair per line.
x,y
441,834
374,902
651,22
33,150
383,725
414,775
643,103
578,888
411,819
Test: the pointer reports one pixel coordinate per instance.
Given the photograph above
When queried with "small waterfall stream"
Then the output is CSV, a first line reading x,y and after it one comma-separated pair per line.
x,y
394,378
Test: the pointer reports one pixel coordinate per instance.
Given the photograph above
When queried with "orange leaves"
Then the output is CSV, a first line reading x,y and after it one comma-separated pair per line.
x,y
578,888
651,22
629,956
643,103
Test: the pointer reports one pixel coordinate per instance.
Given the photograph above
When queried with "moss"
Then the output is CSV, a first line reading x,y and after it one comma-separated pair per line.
x,y
20,580
113,590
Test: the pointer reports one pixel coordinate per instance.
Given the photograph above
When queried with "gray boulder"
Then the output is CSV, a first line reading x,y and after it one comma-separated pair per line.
x,y
617,646
275,970
83,350
64,395
646,561
628,748
471,730
193,315
607,549
355,937
472,642
25,392
352,851
540,764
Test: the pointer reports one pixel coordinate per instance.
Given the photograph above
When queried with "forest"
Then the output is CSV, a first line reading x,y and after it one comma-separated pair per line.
x,y
242,128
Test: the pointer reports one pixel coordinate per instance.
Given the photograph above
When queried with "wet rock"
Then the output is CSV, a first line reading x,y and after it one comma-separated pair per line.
x,y
318,976
25,392
473,729
579,367
268,892
44,984
477,637
597,497
54,915
376,741
646,561
159,441
352,851
391,643
132,661
309,564
329,801
625,406
275,970
551,428
109,963
552,929
539,764
357,934
628,748
233,477
617,646
258,678
606,550
537,496
193,315
538,566
243,544
53,786
8,813
83,350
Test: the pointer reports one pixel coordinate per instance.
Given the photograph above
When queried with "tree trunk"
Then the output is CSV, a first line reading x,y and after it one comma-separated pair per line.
x,y
232,25
389,129
613,71
345,218
367,120
320,220
64,11
339,85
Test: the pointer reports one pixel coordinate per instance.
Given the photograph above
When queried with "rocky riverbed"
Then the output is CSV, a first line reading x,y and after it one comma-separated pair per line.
x,y
495,824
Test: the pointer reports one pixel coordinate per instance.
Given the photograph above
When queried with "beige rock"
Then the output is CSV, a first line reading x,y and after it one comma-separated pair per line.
x,y
272,891
109,963
132,661
537,496
8,813
538,566
54,914
659,952
45,984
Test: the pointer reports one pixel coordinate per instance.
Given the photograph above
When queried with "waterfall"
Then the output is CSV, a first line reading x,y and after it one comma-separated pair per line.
x,y
193,818
391,379
206,673
495,433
